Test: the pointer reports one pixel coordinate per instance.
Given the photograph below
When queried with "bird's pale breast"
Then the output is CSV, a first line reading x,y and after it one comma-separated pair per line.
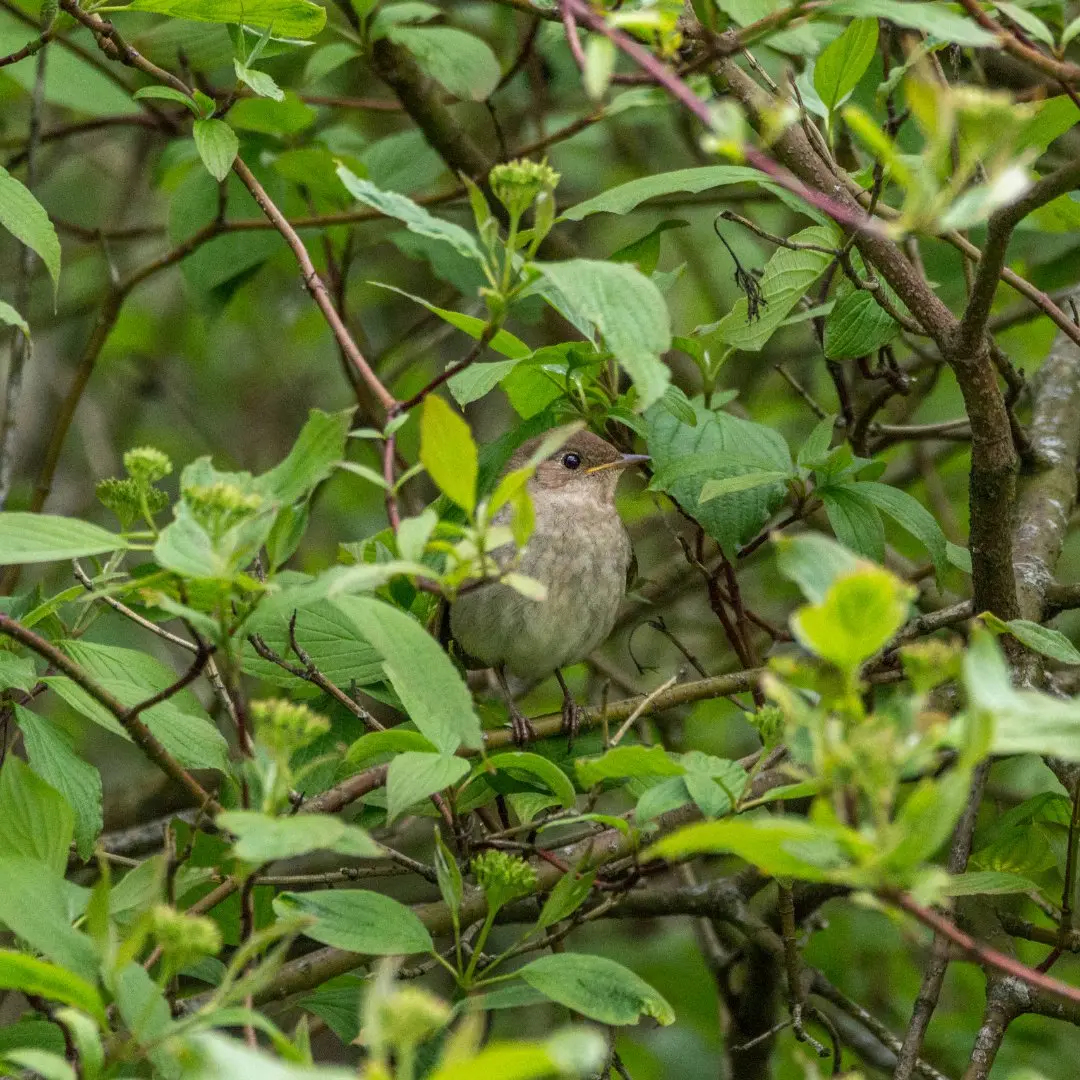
x,y
580,553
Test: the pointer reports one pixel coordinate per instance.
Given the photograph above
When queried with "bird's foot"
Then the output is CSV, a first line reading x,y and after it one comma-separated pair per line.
x,y
571,720
521,729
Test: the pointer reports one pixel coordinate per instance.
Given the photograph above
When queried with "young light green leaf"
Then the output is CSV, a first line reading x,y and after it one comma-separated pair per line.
x,y
287,18
425,680
51,753
448,874
261,838
596,987
38,538
460,62
167,93
788,275
412,777
43,1063
600,58
448,452
415,217
856,617
25,218
843,62
29,975
1044,640
571,1052
987,883
781,846
38,823
1027,21
318,448
813,562
358,920
627,761
628,311
729,485
571,891
10,317
259,81
217,145
1070,31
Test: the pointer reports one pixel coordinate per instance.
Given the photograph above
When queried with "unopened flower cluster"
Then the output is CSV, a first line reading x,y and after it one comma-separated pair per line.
x,y
503,877
518,183
286,726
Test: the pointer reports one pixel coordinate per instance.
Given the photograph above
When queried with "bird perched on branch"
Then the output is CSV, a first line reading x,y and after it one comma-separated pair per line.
x,y
579,551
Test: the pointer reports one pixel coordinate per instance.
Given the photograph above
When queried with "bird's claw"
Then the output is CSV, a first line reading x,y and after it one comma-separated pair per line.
x,y
521,729
571,720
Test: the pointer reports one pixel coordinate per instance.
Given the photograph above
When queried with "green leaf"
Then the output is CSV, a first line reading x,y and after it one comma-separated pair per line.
x,y
358,920
1027,21
1070,31
618,302
503,342
571,891
813,562
415,217
788,275
532,767
318,448
932,18
325,632
460,62
180,723
414,776
600,59
281,119
51,753
449,876
1023,721
626,761
37,538
10,317
38,823
43,1063
17,671
843,62
287,18
911,516
596,987
816,447
857,326
626,197
1044,640
780,846
36,905
855,521
217,145
572,1052
393,741
987,883
167,93
42,979
729,485
426,681
262,838
25,218
261,83
719,445
856,617
448,452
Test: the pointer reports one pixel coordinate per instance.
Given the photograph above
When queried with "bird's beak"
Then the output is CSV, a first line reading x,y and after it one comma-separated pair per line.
x,y
624,462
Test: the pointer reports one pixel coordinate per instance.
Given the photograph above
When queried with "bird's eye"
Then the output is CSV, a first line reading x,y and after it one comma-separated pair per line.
x,y
571,461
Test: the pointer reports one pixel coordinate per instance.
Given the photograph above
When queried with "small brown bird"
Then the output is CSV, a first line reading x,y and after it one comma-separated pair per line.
x,y
579,551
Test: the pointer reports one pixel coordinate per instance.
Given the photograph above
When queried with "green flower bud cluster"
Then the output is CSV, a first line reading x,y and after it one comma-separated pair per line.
x,y
220,506
135,494
517,184
770,723
409,1015
286,726
184,938
503,877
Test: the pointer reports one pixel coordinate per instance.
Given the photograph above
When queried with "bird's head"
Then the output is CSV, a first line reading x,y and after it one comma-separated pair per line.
x,y
585,465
